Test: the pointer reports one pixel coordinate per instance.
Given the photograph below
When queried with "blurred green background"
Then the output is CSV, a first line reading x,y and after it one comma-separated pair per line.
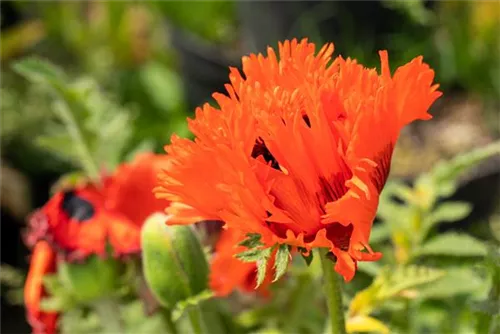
x,y
157,61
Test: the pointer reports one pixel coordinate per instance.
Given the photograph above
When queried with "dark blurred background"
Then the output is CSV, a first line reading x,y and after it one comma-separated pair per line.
x,y
162,59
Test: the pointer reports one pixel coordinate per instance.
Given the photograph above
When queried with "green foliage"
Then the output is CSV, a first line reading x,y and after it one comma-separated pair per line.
x,y
130,99
281,261
415,9
213,25
456,281
452,244
92,131
390,284
261,256
252,241
87,281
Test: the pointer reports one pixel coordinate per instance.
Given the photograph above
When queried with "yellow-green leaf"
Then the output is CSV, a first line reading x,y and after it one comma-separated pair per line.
x,y
365,324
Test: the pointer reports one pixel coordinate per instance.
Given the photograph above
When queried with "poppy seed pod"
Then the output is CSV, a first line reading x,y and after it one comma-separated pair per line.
x,y
175,266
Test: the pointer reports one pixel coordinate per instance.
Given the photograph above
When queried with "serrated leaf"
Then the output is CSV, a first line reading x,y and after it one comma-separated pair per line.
x,y
449,212
453,244
253,255
252,241
261,270
182,306
407,277
281,261
96,130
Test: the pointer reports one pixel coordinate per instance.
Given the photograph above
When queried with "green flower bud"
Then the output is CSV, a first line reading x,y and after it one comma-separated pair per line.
x,y
91,280
175,266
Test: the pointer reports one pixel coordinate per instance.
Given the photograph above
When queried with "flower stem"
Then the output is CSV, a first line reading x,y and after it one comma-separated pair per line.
x,y
196,319
332,286
108,311
169,323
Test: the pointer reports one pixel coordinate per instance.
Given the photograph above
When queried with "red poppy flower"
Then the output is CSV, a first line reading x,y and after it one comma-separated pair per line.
x,y
298,150
42,263
131,190
227,273
76,224
81,221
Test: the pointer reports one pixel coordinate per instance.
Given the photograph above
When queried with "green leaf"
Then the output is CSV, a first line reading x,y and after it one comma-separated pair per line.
x,y
389,284
453,244
39,71
446,173
53,285
55,304
456,281
281,261
252,241
253,255
261,270
183,305
10,276
449,212
78,321
93,130
163,85
408,277
370,268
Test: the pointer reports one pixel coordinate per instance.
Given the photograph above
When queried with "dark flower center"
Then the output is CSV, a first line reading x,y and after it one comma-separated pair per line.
x,y
76,207
260,148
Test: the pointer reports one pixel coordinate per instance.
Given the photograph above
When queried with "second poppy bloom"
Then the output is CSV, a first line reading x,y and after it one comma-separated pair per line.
x,y
298,150
82,221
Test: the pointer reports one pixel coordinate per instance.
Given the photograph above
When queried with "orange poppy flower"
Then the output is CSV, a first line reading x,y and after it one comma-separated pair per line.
x,y
227,273
43,262
298,150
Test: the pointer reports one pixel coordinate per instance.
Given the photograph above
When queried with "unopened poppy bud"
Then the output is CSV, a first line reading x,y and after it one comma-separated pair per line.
x,y
90,280
175,266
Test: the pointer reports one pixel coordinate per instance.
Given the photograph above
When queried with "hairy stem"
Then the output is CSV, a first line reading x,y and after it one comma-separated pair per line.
x,y
332,286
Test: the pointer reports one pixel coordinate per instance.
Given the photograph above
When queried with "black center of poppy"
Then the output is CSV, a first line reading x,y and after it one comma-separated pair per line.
x,y
76,207
260,148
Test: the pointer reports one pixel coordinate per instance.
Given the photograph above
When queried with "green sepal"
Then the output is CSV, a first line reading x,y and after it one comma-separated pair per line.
x,y
281,261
